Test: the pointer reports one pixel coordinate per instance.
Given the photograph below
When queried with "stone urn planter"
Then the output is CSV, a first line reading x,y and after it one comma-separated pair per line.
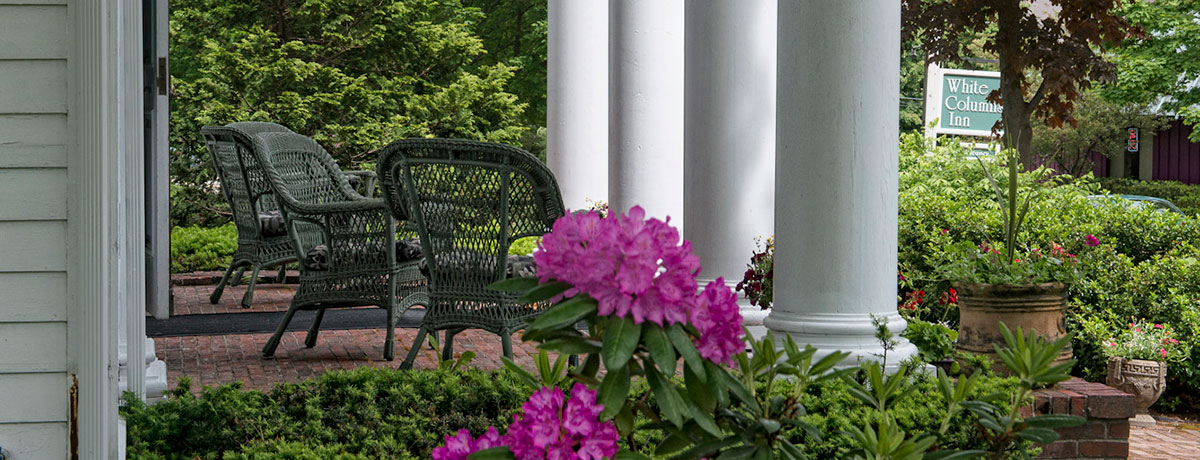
x,y
1145,380
982,307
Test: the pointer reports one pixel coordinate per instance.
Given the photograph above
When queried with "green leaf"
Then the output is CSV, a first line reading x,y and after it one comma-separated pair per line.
x,y
621,338
738,389
674,442
565,313
954,455
1043,435
704,419
660,348
684,345
698,390
525,376
628,455
544,292
571,345
738,453
613,391
667,396
514,285
495,453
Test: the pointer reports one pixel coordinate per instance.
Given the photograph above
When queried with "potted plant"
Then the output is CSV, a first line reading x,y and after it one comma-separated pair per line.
x,y
1137,364
1017,283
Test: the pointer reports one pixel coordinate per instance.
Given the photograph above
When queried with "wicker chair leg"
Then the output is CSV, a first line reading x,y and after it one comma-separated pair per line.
x,y
448,348
249,297
216,295
237,277
311,339
389,343
269,349
282,277
506,345
412,351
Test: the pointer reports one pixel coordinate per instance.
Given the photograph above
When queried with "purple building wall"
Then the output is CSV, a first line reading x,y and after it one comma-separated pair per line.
x,y
1176,157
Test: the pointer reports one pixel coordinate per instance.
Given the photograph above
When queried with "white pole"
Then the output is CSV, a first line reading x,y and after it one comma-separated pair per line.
x,y
577,100
729,132
836,212
646,107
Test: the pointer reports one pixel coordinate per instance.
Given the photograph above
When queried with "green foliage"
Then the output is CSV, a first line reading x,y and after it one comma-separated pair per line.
x,y
934,341
524,246
198,248
1099,128
1185,196
1163,64
364,413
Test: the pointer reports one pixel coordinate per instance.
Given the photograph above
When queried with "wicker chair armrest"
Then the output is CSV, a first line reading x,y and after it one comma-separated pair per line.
x,y
351,206
368,179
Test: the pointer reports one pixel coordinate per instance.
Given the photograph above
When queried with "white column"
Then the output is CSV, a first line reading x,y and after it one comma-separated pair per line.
x,y
577,100
646,107
836,212
729,135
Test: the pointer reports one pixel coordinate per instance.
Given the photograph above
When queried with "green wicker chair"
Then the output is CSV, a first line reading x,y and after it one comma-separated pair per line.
x,y
251,200
346,243
469,201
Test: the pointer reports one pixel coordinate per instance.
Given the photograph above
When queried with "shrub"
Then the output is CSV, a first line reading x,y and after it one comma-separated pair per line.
x,y
198,248
1185,196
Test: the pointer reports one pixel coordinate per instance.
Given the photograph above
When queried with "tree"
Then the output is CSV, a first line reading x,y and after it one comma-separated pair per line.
x,y
1049,50
514,33
1163,66
352,74
1099,127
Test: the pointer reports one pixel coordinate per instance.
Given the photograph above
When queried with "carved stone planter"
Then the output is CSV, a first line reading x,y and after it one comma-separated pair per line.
x,y
1145,380
982,307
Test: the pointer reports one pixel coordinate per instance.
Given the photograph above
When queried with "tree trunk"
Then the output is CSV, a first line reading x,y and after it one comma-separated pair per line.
x,y
1015,112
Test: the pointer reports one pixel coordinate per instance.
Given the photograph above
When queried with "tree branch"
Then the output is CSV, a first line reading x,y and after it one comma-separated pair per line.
x,y
1037,95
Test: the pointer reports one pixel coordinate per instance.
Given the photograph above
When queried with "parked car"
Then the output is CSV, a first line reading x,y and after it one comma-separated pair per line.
x,y
1161,204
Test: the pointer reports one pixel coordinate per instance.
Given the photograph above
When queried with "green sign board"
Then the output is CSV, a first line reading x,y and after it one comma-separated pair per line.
x,y
958,99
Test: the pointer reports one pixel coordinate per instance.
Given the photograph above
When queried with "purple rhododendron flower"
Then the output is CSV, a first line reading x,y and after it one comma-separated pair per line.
x,y
717,319
459,446
1091,240
548,430
633,266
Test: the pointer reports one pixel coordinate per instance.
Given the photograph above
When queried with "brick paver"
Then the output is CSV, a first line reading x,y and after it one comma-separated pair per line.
x,y
217,359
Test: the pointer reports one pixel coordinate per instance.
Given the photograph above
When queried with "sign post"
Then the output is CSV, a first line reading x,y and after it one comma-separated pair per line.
x,y
957,99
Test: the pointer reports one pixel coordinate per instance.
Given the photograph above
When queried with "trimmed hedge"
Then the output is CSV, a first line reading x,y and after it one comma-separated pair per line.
x,y
1185,196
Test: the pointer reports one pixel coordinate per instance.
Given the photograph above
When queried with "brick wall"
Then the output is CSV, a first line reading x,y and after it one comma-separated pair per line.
x,y
1106,433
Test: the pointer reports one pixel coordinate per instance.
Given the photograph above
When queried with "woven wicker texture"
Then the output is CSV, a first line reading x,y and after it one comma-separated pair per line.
x,y
469,201
358,233
245,188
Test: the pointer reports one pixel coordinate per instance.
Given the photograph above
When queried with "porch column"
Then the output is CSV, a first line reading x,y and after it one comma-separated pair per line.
x,y
646,107
835,231
729,135
577,100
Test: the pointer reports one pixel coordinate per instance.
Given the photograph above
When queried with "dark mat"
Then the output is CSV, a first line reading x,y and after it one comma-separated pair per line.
x,y
266,322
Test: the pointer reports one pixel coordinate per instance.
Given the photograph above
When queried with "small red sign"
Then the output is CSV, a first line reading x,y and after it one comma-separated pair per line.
x,y
1132,146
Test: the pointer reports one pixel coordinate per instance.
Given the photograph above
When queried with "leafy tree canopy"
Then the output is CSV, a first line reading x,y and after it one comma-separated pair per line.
x,y
1048,50
1163,66
1098,126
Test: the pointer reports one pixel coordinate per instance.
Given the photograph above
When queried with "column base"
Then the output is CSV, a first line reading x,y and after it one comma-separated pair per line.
x,y
848,332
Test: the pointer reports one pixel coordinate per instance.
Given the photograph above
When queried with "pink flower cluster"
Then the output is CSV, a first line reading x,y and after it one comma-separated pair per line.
x,y
545,431
640,268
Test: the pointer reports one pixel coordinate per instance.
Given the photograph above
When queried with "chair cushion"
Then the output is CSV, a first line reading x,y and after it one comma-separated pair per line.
x,y
317,258
272,224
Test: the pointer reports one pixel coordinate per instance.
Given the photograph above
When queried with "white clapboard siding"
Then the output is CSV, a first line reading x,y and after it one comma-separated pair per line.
x,y
35,441
33,194
33,297
33,86
19,24
33,141
32,347
31,246
37,397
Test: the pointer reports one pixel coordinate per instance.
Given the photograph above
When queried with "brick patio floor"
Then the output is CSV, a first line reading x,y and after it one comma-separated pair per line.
x,y
217,359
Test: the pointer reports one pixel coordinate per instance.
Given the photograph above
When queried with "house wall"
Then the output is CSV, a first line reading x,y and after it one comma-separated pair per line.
x,y
34,135
1175,156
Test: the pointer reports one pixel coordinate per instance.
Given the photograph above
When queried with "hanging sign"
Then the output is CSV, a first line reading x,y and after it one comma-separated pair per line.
x,y
1132,141
957,99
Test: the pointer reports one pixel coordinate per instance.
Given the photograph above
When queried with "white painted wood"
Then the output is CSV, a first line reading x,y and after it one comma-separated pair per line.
x,y
33,2
33,194
36,297
158,187
131,260
837,161
645,157
729,136
31,86
93,276
33,141
33,156
577,100
32,246
34,397
35,441
33,347
33,32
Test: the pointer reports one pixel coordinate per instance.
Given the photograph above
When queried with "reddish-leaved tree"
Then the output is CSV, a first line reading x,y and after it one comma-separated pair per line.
x,y
1049,51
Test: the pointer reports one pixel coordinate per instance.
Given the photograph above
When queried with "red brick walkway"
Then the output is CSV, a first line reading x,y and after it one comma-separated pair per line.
x,y
217,359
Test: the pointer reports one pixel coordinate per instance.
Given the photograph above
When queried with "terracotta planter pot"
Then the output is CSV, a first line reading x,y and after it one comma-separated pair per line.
x,y
982,307
1145,380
